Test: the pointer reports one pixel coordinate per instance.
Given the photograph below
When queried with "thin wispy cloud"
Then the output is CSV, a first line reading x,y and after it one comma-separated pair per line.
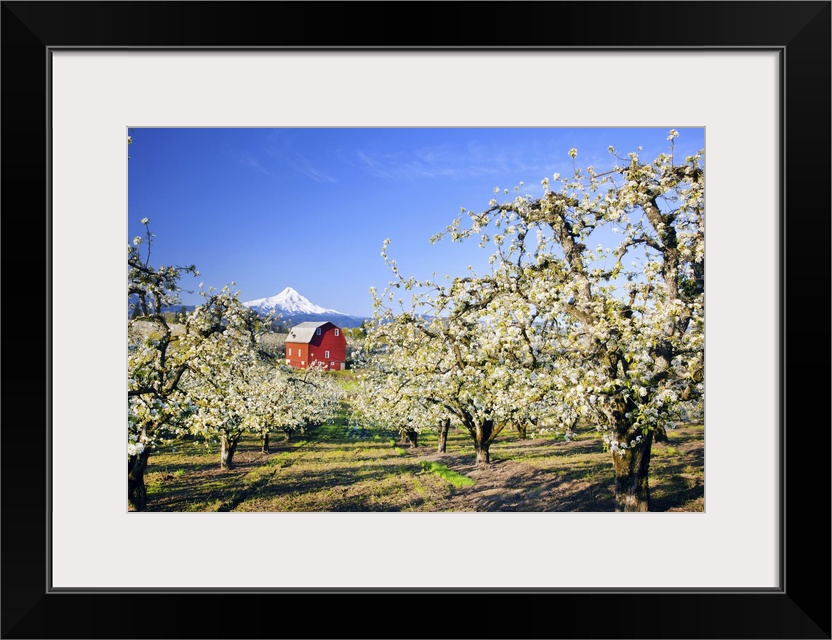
x,y
472,161
279,148
303,166
375,166
250,161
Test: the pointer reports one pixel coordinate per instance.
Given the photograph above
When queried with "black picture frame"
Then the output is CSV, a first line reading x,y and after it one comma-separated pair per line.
x,y
800,608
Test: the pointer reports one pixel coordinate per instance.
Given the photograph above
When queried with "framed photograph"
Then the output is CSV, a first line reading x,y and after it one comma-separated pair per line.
x,y
754,76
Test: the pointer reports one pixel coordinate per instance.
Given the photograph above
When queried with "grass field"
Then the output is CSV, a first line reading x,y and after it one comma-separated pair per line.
x,y
328,470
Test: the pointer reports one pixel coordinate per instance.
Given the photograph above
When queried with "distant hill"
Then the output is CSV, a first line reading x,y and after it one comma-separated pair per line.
x,y
176,308
292,307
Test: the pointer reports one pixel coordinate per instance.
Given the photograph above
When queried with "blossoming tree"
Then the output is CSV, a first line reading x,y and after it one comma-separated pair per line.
x,y
387,399
225,387
157,359
162,362
614,333
463,348
235,387
302,398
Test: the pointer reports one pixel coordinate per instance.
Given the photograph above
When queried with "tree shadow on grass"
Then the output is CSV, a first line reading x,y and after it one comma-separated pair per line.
x,y
532,475
330,476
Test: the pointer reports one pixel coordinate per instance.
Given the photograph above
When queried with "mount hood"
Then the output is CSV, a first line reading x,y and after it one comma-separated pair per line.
x,y
295,308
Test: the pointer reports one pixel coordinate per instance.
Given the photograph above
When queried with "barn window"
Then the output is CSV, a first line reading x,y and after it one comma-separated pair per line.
x,y
290,350
318,331
331,364
326,354
337,332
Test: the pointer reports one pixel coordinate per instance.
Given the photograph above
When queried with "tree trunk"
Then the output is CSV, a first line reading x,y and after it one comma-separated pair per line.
x,y
482,441
482,433
444,427
570,430
413,438
227,449
521,430
136,491
661,435
632,492
265,447
483,455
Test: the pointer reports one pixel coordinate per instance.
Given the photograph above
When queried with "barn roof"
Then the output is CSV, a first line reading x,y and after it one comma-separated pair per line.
x,y
304,332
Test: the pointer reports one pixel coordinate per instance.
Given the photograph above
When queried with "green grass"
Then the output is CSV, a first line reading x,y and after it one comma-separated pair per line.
x,y
327,470
456,479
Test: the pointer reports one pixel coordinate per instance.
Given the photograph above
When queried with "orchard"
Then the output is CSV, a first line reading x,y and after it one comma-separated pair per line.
x,y
591,312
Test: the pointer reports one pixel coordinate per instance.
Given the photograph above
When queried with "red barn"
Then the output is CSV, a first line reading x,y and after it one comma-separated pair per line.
x,y
311,342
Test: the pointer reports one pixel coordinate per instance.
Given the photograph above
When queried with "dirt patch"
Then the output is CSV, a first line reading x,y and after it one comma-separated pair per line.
x,y
510,485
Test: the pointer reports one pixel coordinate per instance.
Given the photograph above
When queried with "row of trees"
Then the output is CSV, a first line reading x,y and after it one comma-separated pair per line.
x,y
557,331
210,378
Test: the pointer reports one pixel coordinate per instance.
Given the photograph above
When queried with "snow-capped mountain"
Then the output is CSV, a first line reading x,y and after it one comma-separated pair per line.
x,y
287,302
295,308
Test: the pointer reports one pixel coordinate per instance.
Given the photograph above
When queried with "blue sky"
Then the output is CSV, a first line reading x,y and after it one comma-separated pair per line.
x,y
310,208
